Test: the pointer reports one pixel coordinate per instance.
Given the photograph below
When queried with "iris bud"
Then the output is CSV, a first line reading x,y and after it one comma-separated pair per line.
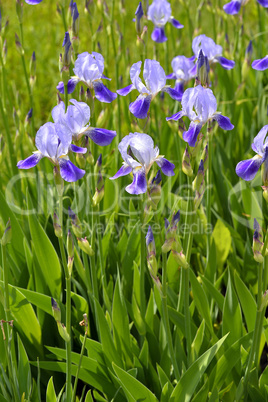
x,y
151,260
76,224
84,245
186,163
55,310
57,226
6,238
202,69
257,242
139,14
199,185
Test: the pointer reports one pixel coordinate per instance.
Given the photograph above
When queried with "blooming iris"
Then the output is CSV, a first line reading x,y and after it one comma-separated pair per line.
x,y
159,13
200,105
74,123
212,51
155,80
139,154
260,64
182,72
233,7
55,147
248,168
88,68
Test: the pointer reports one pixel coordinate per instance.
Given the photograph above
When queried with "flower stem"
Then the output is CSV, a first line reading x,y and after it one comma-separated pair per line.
x,y
79,366
165,316
6,296
208,201
142,258
68,309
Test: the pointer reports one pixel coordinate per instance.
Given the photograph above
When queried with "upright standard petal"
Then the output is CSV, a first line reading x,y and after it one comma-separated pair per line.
x,y
31,161
47,140
139,184
102,93
154,76
258,142
140,106
191,135
260,64
223,121
69,172
158,35
101,136
248,168
166,166
233,7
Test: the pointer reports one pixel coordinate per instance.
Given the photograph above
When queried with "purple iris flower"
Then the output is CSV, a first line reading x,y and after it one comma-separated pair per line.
x,y
233,7
55,145
33,2
155,80
260,64
159,13
182,72
88,68
200,105
212,51
75,123
248,168
139,154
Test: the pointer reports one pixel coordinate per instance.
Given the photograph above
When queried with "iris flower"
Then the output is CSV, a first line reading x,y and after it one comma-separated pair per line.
x,y
233,7
248,168
182,72
155,80
212,51
159,13
139,154
200,105
88,69
55,145
75,123
260,64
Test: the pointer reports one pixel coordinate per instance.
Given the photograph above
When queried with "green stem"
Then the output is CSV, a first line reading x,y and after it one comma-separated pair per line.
x,y
165,316
208,200
79,366
64,18
68,310
142,259
6,296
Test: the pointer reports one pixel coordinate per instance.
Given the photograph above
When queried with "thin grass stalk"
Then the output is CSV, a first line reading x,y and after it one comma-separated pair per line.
x,y
142,258
166,318
208,190
68,344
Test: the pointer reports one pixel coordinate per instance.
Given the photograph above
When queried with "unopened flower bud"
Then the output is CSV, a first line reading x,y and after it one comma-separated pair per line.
x,y
32,70
99,194
257,242
63,331
139,14
199,185
186,163
70,245
204,157
202,69
18,44
4,51
180,259
6,238
265,193
19,10
57,226
155,191
55,310
172,242
151,260
84,245
264,300
76,224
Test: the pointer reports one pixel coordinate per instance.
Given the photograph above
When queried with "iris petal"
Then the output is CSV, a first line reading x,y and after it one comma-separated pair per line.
x,y
140,106
139,184
69,172
248,168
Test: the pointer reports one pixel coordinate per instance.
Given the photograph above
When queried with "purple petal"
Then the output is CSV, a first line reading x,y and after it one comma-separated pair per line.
x,y
101,136
247,169
225,63
172,93
176,116
102,93
33,2
123,171
103,77
77,150
139,184
193,70
166,166
179,87
149,237
191,135
125,91
31,161
70,85
232,8
176,23
69,172
263,3
158,35
171,76
223,121
260,64
140,106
